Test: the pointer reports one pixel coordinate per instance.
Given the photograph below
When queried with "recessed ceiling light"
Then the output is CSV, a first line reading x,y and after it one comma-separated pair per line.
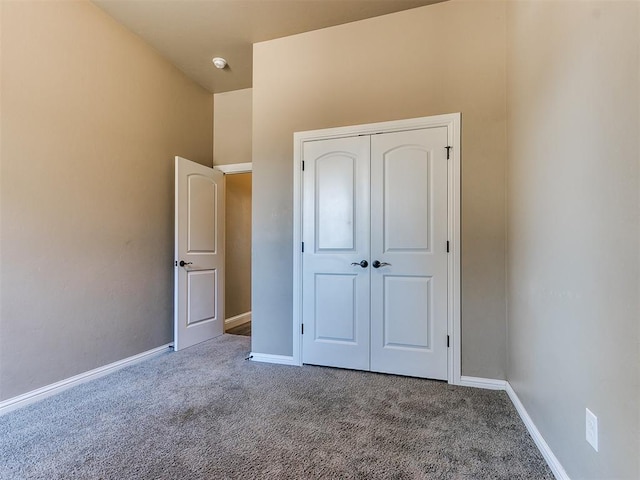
x,y
219,62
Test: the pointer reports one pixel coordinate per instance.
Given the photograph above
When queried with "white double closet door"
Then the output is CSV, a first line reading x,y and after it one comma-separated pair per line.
x,y
375,253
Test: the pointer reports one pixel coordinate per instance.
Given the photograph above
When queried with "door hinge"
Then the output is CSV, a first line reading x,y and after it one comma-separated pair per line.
x,y
302,247
448,151
303,165
447,246
302,329
447,341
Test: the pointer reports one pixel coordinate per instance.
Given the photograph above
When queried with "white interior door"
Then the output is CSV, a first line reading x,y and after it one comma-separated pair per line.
x,y
375,264
336,241
199,254
409,239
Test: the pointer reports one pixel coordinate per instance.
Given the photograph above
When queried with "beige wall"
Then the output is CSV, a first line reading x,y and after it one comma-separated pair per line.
x,y
232,131
238,244
232,127
573,263
91,119
443,58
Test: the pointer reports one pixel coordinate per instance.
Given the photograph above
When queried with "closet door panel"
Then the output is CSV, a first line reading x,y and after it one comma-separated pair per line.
x,y
408,237
336,242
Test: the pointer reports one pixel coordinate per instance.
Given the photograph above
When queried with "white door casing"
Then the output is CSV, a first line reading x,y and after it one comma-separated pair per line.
x,y
199,253
336,240
451,185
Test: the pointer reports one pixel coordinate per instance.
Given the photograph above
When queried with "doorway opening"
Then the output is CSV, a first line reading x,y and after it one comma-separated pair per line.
x,y
238,188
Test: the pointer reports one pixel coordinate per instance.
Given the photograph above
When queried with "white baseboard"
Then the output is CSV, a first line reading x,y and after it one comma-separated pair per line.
x,y
49,390
268,358
545,450
486,383
237,320
491,384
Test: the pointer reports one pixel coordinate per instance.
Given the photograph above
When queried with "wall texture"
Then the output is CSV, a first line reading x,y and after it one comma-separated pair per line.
x,y
232,127
91,118
232,133
238,244
573,263
443,58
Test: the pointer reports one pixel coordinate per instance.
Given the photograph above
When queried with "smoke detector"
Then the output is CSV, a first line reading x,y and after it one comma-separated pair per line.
x,y
219,62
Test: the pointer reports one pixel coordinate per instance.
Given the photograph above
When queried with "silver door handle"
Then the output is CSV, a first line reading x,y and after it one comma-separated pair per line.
x,y
377,264
186,266
363,263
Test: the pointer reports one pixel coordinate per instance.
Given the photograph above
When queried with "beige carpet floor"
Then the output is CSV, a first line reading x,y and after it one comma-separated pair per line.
x,y
207,413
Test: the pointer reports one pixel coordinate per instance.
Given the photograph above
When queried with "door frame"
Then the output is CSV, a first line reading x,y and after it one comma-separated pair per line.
x,y
233,169
453,123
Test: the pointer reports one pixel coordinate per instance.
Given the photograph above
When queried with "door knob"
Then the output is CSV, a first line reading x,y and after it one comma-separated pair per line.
x,y
377,264
183,263
363,263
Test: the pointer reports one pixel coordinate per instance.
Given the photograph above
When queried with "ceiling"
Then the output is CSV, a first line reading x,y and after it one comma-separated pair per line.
x,y
189,33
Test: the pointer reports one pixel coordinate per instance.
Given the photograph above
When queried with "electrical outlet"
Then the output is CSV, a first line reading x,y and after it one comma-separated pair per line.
x,y
592,429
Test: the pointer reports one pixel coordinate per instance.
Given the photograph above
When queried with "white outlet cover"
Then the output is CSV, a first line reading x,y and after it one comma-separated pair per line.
x,y
591,424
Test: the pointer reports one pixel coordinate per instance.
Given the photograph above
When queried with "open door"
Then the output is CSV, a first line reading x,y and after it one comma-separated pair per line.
x,y
199,254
